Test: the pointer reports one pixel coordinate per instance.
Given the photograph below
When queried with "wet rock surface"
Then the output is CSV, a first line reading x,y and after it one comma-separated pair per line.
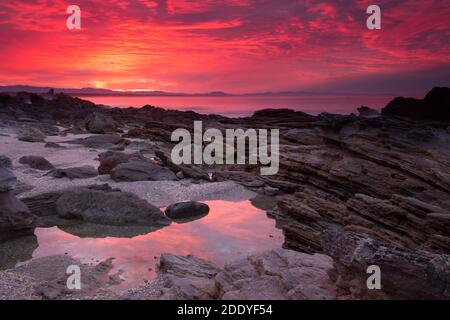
x,y
114,208
186,210
275,275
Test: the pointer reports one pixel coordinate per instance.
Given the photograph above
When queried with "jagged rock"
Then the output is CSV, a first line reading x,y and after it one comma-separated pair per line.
x,y
5,162
141,171
275,275
75,173
405,273
100,123
8,180
15,218
110,208
32,135
36,162
186,210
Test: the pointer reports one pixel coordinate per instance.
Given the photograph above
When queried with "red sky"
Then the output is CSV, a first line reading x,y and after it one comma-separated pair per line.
x,y
234,46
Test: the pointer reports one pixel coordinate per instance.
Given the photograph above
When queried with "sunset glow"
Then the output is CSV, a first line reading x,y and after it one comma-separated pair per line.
x,y
233,46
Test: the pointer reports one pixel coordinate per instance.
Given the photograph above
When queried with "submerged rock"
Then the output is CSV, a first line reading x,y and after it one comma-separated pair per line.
x,y
36,162
32,135
186,210
110,208
141,171
100,141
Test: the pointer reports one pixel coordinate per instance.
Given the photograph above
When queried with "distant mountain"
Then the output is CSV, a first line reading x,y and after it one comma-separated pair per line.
x,y
95,91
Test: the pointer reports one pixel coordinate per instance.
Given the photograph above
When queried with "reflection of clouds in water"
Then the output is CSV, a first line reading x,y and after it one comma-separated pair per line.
x,y
231,230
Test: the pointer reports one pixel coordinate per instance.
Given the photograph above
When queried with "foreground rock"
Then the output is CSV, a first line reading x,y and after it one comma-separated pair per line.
x,y
36,162
111,159
7,180
110,208
46,279
32,135
5,162
141,171
83,172
15,218
186,211
405,273
106,141
278,274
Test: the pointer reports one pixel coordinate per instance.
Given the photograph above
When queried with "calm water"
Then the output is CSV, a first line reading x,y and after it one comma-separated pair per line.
x,y
231,230
243,106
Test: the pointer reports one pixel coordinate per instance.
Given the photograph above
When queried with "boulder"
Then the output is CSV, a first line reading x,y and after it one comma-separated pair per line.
x,y
186,210
15,218
7,180
100,141
100,123
110,159
83,172
110,208
141,171
36,162
32,135
53,145
5,162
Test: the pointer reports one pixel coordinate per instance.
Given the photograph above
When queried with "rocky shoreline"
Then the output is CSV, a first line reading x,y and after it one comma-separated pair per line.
x,y
352,191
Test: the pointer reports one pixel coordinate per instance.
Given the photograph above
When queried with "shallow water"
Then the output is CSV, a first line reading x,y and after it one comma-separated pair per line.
x,y
231,230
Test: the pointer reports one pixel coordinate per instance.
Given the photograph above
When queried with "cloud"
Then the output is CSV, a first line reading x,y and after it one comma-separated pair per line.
x,y
235,46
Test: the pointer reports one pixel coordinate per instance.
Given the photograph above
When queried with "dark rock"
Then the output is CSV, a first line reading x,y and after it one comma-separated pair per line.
x,y
141,171
15,218
367,112
110,208
32,135
53,145
7,180
186,210
435,106
5,162
75,173
100,141
44,204
110,159
36,162
100,123
405,273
